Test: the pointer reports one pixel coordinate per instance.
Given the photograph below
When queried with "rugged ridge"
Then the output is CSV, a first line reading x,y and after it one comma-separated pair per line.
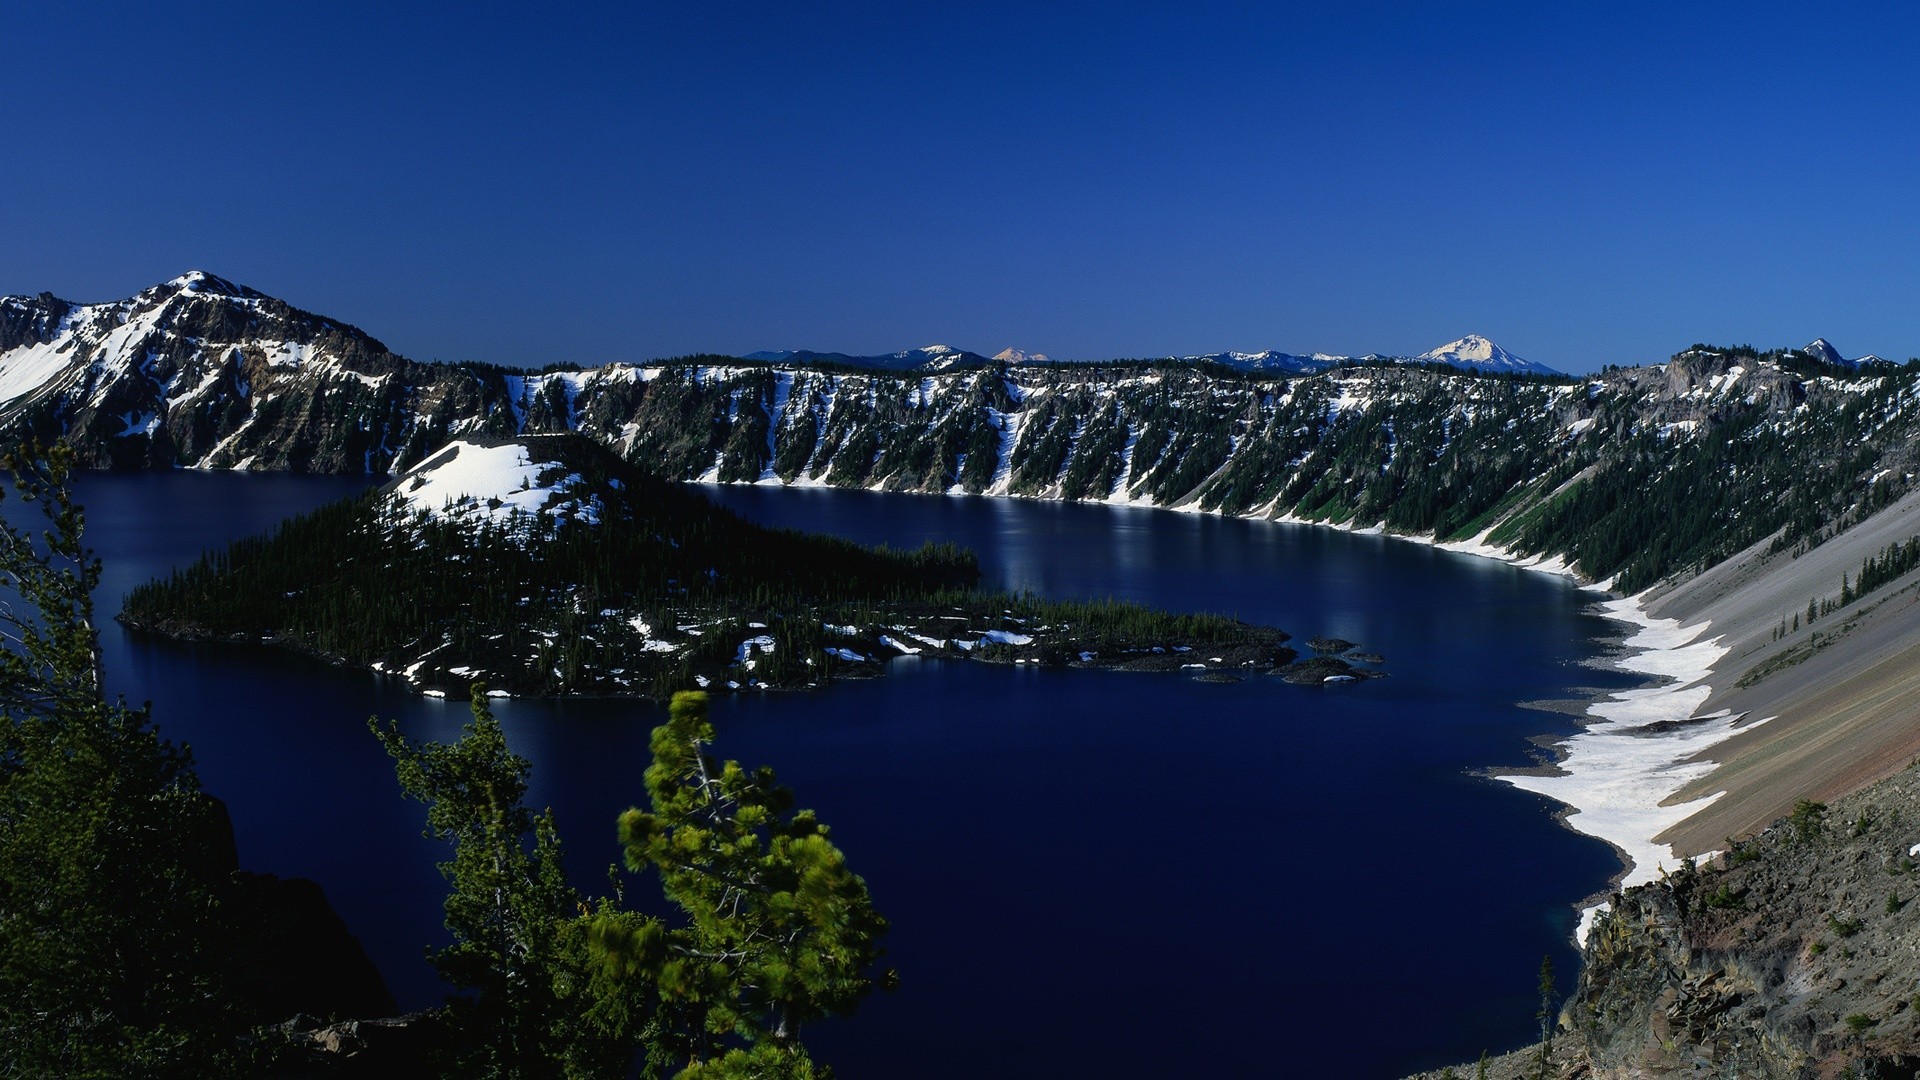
x,y
200,371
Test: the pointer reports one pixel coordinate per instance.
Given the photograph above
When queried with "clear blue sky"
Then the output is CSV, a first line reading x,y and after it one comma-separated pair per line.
x,y
1585,185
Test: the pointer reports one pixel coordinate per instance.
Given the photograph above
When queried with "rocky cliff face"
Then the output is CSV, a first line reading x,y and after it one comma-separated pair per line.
x,y
201,372
205,373
1640,472
1796,954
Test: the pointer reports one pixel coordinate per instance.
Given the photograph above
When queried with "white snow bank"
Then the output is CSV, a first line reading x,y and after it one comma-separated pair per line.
x,y
1616,773
491,482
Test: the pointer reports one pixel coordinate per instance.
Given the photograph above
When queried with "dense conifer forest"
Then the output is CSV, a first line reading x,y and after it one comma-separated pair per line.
x,y
665,591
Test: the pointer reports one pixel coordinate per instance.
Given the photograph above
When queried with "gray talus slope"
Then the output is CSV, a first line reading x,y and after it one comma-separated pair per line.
x,y
1840,696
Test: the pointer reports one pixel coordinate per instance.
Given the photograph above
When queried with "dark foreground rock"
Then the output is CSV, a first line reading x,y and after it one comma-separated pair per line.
x,y
297,955
391,1046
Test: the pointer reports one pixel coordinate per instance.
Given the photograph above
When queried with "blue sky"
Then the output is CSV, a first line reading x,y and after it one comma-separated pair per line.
x,y
1584,184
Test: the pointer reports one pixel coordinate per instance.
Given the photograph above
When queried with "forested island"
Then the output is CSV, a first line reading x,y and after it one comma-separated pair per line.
x,y
545,565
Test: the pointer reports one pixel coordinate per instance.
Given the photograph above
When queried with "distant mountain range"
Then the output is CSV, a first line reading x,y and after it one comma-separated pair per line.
x,y
1470,353
925,358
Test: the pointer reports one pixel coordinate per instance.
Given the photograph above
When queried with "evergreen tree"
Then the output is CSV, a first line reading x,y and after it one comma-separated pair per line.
x,y
779,932
509,907
110,858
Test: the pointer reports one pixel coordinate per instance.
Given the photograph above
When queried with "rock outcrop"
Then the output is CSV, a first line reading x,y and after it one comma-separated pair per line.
x,y
1794,955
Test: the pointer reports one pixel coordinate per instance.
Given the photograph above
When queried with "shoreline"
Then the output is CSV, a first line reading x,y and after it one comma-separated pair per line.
x,y
1637,747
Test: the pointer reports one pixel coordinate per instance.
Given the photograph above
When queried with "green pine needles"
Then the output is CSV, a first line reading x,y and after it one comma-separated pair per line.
x,y
773,931
781,933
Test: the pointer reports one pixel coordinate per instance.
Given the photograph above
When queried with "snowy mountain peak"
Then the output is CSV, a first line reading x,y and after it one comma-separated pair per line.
x,y
199,281
1478,353
1473,349
1011,355
1822,350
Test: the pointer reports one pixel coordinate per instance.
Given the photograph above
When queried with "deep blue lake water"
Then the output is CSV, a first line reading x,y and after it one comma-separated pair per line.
x,y
1088,873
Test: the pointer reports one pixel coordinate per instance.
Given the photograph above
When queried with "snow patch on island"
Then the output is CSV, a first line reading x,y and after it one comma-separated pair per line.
x,y
493,483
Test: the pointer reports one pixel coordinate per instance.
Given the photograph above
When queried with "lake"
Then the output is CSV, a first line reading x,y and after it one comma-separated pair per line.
x,y
1088,873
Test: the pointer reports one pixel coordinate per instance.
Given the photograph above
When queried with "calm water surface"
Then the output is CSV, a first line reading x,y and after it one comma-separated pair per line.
x,y
1088,873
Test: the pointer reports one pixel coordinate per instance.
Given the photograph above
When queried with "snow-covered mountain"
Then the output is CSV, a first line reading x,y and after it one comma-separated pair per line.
x,y
1822,350
204,373
1011,355
200,370
1470,353
1476,353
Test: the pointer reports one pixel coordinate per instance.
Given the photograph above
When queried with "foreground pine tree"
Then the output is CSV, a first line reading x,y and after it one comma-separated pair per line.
x,y
779,931
509,898
111,862
774,931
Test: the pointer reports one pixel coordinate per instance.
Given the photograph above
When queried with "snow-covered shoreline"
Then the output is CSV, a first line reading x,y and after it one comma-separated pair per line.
x,y
1614,775
1638,748
1638,745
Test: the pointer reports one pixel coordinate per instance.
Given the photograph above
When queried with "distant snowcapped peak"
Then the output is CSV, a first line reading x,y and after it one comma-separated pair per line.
x,y
1822,350
199,281
1478,353
1472,348
1011,355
